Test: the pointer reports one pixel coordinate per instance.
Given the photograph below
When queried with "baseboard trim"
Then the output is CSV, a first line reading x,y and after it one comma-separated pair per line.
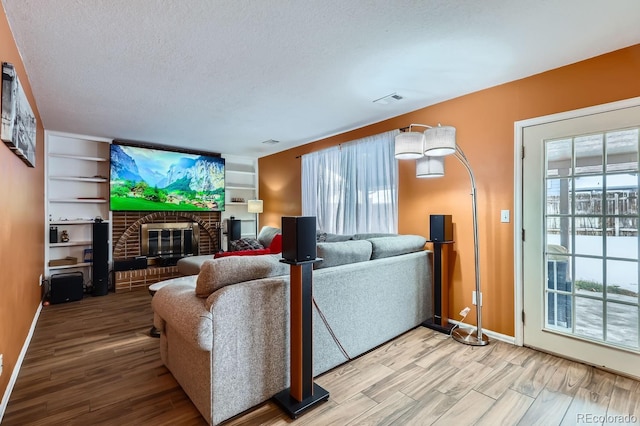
x,y
16,370
491,334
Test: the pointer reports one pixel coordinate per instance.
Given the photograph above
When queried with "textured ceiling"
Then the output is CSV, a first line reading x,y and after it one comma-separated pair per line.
x,y
226,75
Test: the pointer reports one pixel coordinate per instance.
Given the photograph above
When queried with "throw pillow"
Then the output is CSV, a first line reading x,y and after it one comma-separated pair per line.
x,y
276,244
218,273
266,235
245,244
256,252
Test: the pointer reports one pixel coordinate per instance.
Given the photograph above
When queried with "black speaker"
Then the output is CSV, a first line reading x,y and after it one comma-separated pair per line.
x,y
299,238
441,227
100,269
66,287
53,234
234,231
130,264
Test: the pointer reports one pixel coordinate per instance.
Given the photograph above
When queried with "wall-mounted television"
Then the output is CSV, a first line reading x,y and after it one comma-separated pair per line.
x,y
158,179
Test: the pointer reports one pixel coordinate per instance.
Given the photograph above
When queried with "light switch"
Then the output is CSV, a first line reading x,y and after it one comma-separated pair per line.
x,y
504,216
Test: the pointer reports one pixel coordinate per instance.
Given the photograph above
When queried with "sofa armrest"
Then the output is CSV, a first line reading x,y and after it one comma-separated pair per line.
x,y
178,305
251,339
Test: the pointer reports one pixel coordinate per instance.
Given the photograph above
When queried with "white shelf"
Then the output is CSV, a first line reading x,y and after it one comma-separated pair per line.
x,y
75,265
243,187
241,169
71,243
78,200
79,178
78,157
74,222
236,203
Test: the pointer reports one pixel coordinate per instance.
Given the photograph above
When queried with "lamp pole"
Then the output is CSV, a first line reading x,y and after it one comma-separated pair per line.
x,y
437,142
474,338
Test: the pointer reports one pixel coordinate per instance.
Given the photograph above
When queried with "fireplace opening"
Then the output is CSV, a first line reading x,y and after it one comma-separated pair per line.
x,y
167,241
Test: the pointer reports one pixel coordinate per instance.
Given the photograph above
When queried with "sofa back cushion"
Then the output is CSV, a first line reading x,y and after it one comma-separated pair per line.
x,y
370,235
217,273
395,246
342,252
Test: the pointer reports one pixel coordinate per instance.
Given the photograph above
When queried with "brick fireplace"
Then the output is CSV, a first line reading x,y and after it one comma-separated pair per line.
x,y
167,228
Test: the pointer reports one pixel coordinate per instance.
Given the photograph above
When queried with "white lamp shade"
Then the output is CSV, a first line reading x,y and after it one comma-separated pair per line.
x,y
430,167
409,145
440,141
254,206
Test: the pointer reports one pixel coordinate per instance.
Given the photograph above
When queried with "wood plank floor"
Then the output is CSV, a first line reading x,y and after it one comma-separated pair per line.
x,y
92,362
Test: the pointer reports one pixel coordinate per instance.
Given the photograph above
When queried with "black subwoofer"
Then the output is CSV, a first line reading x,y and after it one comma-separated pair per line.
x,y
441,227
66,287
299,238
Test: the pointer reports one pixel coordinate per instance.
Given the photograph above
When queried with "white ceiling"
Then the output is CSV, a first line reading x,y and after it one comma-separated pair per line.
x,y
226,75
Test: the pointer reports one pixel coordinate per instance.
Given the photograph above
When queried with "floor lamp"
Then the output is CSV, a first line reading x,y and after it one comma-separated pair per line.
x,y
255,206
429,148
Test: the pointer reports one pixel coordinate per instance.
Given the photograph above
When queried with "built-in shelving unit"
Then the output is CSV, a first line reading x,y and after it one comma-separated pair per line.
x,y
241,183
77,190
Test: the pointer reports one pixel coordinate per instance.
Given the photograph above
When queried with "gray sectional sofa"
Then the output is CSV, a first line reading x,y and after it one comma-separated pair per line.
x,y
224,332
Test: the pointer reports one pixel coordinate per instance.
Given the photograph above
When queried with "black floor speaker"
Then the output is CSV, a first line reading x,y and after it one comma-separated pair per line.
x,y
441,227
100,269
299,238
234,231
66,287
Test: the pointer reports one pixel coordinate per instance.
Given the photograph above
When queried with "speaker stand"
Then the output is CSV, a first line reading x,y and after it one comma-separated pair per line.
x,y
440,320
303,394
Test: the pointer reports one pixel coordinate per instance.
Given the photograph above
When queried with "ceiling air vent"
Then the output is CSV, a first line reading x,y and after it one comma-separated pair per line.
x,y
271,142
389,99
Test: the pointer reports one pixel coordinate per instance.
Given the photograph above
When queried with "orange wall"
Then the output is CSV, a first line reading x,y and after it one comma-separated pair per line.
x,y
485,131
21,229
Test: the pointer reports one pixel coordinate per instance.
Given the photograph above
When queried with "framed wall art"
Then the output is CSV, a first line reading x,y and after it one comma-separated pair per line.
x,y
18,130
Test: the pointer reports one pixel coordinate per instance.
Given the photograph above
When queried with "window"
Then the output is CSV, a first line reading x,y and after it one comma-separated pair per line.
x,y
352,188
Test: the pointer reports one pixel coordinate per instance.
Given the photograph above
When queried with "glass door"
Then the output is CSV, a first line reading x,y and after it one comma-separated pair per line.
x,y
580,215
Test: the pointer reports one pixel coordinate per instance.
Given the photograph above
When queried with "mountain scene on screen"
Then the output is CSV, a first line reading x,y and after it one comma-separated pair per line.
x,y
144,179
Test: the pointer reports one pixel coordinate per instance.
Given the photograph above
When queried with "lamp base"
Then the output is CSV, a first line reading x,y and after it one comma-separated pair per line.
x,y
469,338
434,325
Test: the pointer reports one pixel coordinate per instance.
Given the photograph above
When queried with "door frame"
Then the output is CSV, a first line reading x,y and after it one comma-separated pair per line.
x,y
519,127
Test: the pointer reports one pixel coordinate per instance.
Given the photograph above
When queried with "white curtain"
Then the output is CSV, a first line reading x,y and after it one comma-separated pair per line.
x,y
352,188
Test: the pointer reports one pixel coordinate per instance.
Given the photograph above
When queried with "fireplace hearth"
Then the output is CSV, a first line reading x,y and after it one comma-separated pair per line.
x,y
162,238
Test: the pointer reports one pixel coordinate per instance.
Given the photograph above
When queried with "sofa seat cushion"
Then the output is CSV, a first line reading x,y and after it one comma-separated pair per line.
x,y
217,273
343,252
396,246
177,305
190,265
